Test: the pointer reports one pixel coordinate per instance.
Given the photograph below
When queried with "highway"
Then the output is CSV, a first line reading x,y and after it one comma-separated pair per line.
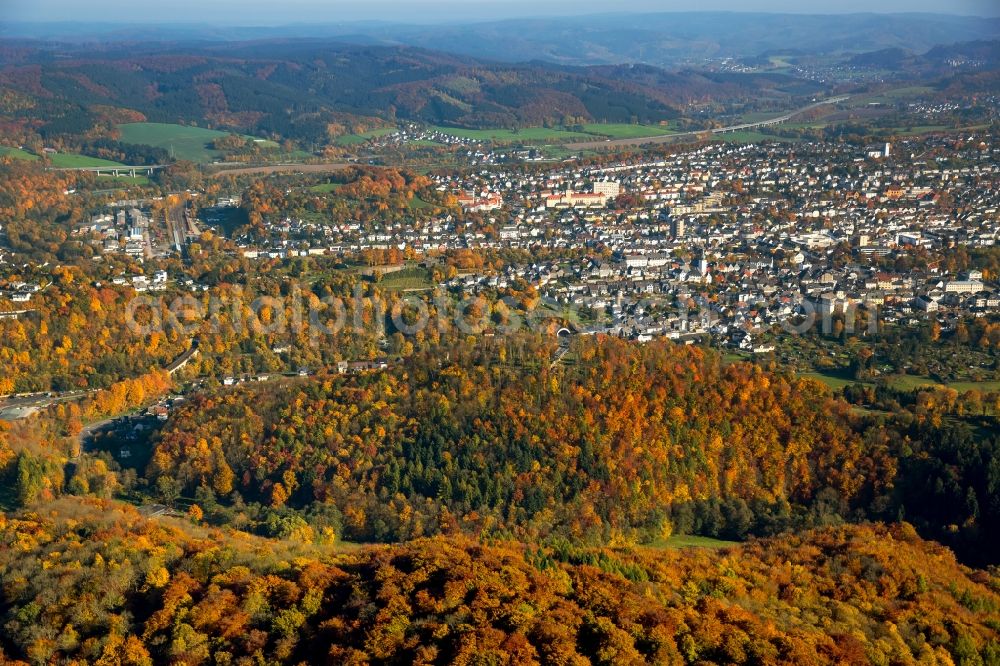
x,y
780,119
22,406
15,407
667,138
116,170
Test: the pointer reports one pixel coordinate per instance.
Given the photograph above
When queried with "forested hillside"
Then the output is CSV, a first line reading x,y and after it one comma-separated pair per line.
x,y
296,91
95,581
482,439
323,346
630,444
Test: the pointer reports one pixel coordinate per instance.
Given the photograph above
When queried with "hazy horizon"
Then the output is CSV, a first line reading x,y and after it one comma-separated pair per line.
x,y
256,13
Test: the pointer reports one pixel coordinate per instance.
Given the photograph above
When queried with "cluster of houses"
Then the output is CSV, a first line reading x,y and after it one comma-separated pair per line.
x,y
124,231
755,229
710,241
20,291
342,368
477,151
143,283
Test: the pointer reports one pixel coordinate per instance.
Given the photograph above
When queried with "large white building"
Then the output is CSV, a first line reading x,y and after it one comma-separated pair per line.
x,y
576,200
481,203
964,287
608,188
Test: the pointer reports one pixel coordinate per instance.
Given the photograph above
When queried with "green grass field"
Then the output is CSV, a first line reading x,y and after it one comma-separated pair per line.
x,y
561,152
810,125
355,139
626,131
71,161
908,91
59,160
17,153
910,382
837,381
528,134
416,203
411,278
187,143
325,188
889,96
921,129
124,181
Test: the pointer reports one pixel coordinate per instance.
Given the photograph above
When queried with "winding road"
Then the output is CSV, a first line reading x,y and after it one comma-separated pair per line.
x,y
667,138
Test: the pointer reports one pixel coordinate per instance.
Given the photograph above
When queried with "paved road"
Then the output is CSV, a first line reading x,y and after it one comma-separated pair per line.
x,y
559,356
285,168
23,406
87,434
116,169
667,138
182,360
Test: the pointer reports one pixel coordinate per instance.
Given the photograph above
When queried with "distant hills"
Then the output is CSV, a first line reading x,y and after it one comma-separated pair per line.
x,y
296,82
294,88
664,39
669,39
940,59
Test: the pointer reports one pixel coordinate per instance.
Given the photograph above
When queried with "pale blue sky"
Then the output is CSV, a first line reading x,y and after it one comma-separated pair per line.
x,y
282,12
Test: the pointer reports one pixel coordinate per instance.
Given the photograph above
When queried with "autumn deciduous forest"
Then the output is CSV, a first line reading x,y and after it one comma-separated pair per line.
x,y
89,580
630,444
511,512
600,451
443,498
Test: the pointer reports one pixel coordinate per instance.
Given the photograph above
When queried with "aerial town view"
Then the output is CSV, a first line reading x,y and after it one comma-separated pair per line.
x,y
500,333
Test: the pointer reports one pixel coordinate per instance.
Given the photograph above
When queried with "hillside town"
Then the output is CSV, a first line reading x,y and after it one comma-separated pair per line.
x,y
744,236
732,242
